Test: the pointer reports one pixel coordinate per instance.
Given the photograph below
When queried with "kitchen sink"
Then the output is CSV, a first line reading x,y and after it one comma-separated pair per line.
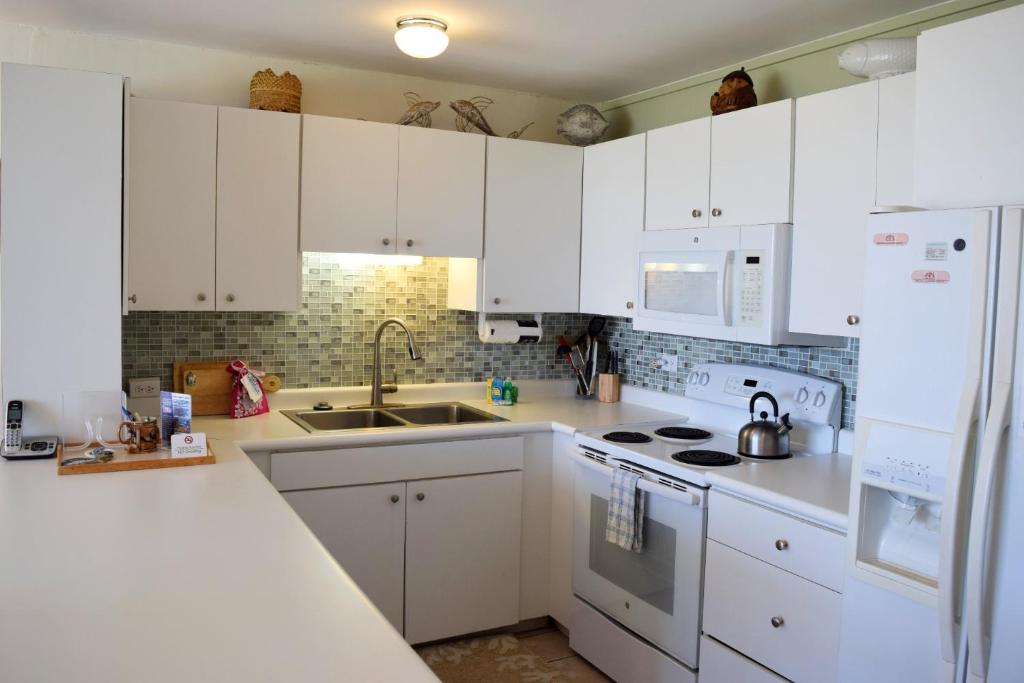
x,y
443,414
400,416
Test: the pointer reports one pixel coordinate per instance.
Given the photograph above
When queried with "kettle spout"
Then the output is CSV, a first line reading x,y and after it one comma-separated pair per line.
x,y
785,426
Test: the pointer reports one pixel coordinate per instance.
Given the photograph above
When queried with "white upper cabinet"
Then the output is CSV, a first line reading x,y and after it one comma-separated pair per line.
x,y
834,191
349,185
894,185
752,165
678,175
172,205
970,140
257,210
440,192
613,219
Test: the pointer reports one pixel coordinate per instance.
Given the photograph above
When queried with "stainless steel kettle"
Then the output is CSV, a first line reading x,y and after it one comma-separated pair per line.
x,y
764,439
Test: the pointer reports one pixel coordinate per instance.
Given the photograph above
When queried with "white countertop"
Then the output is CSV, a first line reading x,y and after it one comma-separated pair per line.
x,y
205,573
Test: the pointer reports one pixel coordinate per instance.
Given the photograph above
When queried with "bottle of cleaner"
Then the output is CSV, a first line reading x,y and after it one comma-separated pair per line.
x,y
490,382
497,391
506,392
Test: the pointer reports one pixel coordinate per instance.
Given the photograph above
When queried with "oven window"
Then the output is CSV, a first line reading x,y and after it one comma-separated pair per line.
x,y
648,575
690,288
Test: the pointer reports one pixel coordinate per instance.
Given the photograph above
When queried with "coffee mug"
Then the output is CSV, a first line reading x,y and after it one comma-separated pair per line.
x,y
142,436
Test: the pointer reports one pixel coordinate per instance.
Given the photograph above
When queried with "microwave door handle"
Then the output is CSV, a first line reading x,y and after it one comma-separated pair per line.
x,y
724,305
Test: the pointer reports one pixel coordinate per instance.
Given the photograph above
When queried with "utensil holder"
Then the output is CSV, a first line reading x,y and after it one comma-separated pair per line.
x,y
608,387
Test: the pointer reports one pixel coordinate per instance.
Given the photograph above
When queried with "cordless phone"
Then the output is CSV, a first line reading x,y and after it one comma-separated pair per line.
x,y
12,435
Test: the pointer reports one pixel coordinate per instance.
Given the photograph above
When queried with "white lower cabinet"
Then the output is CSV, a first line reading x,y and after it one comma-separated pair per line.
x,y
462,555
720,664
560,556
363,527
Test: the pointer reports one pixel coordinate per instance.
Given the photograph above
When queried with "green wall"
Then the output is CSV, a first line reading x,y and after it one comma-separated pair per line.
x,y
794,72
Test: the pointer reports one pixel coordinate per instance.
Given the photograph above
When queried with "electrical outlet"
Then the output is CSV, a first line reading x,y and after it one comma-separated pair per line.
x,y
144,387
667,362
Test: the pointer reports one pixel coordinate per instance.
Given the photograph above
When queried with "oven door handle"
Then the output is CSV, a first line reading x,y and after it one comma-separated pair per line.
x,y
675,495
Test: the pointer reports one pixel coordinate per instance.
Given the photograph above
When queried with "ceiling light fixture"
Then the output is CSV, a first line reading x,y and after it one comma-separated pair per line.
x,y
421,37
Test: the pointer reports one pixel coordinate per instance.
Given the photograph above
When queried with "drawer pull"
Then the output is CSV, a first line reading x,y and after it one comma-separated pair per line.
x,y
395,498
781,544
420,496
777,622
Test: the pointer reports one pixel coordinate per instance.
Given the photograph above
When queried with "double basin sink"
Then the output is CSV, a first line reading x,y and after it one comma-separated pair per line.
x,y
423,415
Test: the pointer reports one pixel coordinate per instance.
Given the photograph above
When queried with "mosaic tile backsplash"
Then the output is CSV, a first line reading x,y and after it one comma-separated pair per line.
x,y
329,341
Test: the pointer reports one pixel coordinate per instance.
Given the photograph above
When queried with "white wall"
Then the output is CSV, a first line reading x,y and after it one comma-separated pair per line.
x,y
193,74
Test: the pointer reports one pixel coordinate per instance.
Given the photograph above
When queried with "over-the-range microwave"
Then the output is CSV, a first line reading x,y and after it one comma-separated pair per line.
x,y
720,283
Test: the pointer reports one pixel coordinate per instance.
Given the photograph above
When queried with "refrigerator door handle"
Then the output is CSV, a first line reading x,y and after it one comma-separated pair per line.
x,y
977,619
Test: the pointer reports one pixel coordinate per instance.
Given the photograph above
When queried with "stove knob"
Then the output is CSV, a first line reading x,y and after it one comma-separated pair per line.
x,y
704,379
692,377
802,395
819,399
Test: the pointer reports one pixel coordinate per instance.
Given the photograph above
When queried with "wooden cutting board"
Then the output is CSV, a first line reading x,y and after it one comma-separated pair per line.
x,y
210,389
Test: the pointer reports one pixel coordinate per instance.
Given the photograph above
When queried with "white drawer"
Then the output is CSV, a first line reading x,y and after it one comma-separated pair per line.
x,y
744,599
719,664
800,547
295,470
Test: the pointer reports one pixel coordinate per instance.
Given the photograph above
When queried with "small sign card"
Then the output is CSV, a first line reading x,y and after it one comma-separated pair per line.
x,y
188,445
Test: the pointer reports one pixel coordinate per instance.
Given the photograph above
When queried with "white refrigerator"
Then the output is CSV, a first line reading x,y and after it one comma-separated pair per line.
x,y
937,494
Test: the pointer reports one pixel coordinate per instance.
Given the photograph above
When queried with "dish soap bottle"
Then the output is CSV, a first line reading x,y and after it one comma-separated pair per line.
x,y
506,392
497,391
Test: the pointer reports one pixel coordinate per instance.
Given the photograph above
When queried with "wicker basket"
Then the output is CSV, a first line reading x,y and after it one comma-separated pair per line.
x,y
271,92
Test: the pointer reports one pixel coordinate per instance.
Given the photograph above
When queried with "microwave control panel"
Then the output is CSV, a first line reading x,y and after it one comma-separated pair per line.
x,y
751,288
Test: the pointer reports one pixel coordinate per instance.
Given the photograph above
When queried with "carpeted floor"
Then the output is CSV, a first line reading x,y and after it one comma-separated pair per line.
x,y
541,656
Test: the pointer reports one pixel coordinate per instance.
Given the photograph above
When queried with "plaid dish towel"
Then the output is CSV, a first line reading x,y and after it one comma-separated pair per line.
x,y
625,512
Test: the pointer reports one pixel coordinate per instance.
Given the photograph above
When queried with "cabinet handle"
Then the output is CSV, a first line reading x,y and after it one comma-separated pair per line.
x,y
200,297
133,299
408,243
395,498
230,297
386,241
777,622
420,496
716,212
497,299
696,213
781,544
629,305
853,320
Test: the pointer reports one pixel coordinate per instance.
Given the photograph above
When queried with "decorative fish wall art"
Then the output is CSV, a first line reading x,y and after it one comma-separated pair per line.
x,y
418,113
581,125
469,115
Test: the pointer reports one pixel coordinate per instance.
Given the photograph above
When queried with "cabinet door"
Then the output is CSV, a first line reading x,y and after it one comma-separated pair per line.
x,y
349,185
532,227
969,144
257,210
440,192
363,527
462,555
172,205
678,175
613,215
834,191
752,165
560,581
894,185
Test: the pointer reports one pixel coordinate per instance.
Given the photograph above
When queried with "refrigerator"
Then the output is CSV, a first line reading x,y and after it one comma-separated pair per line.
x,y
935,545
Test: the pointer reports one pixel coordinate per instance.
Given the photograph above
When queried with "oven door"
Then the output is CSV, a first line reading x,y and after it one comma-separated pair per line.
x,y
655,593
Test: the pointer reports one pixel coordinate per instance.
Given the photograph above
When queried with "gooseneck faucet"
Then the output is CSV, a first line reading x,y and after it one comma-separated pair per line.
x,y
377,391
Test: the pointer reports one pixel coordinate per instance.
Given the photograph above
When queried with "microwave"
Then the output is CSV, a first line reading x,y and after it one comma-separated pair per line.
x,y
719,283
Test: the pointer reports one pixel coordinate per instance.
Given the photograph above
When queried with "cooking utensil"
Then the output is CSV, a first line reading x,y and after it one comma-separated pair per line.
x,y
764,439
566,352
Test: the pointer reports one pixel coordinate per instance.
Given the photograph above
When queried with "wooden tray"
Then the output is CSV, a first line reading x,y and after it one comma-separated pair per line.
x,y
124,461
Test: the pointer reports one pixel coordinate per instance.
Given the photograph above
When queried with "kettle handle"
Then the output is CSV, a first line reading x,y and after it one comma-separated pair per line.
x,y
764,394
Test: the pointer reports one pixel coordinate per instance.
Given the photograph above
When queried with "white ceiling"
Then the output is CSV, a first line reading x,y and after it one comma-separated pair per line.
x,y
575,49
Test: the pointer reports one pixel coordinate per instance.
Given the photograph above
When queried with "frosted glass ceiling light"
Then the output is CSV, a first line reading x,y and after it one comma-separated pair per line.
x,y
421,37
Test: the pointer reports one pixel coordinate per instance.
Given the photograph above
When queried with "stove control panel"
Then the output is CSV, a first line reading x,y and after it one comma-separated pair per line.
x,y
805,397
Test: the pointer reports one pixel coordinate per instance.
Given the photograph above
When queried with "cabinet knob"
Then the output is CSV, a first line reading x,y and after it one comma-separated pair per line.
x,y
629,305
230,297
420,496
781,544
716,212
408,243
696,213
777,622
853,320
386,241
395,498
200,297
133,299
497,299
